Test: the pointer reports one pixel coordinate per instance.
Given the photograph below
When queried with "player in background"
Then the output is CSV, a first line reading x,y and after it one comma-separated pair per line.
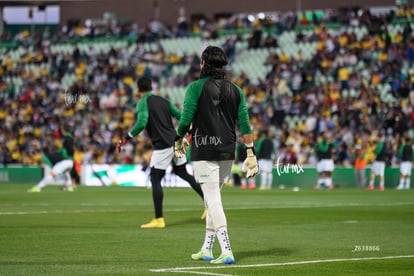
x,y
378,167
60,162
319,168
406,154
214,106
266,153
154,113
325,166
360,165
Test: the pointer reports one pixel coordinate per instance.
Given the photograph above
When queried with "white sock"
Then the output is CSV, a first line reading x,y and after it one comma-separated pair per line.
x,y
325,182
371,182
263,179
270,180
402,180
381,183
224,240
243,182
68,182
328,182
320,181
208,240
408,182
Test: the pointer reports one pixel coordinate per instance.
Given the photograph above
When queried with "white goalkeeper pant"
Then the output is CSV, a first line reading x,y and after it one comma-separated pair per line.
x,y
211,175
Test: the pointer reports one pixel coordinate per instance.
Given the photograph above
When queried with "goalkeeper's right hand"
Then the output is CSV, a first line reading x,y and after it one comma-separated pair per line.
x,y
250,165
180,146
120,144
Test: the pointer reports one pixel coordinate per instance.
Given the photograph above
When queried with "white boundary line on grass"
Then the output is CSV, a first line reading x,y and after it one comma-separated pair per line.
x,y
191,270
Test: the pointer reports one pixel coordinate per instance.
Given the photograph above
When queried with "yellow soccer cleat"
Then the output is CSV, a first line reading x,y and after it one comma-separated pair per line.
x,y
34,189
224,259
203,255
204,215
154,223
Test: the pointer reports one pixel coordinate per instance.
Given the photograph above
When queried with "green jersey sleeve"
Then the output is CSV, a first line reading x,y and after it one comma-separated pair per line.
x,y
243,114
175,112
142,116
192,94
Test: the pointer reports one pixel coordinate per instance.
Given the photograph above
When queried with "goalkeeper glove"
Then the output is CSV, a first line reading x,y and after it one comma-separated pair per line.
x,y
120,144
250,165
180,146
123,142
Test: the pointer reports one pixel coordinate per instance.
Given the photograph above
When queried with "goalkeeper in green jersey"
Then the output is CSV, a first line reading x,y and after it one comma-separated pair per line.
x,y
214,106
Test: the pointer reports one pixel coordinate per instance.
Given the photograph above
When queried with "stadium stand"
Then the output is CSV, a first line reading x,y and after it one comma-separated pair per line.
x,y
353,79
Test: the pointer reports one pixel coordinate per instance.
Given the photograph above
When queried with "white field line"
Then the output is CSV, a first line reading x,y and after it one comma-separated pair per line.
x,y
192,270
249,207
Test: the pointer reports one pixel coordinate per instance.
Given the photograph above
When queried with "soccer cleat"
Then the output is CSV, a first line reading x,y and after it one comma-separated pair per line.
x,y
69,189
370,188
34,189
203,255
204,215
252,186
228,183
224,259
243,186
155,223
381,188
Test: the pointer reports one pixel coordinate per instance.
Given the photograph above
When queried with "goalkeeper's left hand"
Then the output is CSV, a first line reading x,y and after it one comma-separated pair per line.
x,y
250,165
180,146
120,144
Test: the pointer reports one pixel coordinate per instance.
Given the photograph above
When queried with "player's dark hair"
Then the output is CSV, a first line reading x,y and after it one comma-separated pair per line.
x,y
214,59
144,84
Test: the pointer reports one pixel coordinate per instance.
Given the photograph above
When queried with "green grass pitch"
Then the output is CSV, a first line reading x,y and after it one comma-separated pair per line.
x,y
95,231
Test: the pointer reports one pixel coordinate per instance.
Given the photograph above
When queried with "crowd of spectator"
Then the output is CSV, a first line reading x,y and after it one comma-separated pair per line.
x,y
101,111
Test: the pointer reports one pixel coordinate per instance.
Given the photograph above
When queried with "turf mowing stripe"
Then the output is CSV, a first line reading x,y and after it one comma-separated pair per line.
x,y
190,269
240,207
187,209
13,213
